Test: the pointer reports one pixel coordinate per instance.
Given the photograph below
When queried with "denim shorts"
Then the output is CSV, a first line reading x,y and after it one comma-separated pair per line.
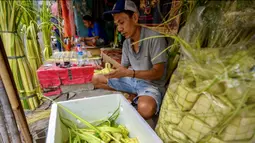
x,y
136,86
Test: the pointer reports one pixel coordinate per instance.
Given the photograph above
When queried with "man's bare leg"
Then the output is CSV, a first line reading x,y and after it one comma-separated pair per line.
x,y
147,106
100,81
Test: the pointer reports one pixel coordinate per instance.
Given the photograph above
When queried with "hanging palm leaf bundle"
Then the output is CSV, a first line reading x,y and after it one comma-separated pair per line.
x,y
46,27
32,46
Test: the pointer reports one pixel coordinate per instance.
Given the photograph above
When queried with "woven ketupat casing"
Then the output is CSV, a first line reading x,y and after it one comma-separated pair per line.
x,y
213,110
210,109
239,128
208,112
171,113
194,128
185,97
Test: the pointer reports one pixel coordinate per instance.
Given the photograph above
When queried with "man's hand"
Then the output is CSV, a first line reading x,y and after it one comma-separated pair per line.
x,y
155,73
120,72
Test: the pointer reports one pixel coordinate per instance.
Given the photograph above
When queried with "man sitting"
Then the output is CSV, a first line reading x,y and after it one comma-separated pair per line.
x,y
96,34
143,70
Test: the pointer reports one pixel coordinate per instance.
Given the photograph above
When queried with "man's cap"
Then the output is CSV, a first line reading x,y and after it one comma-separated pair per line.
x,y
120,6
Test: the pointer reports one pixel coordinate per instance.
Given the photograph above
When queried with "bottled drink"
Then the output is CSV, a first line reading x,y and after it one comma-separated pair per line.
x,y
80,58
80,61
85,55
77,39
78,48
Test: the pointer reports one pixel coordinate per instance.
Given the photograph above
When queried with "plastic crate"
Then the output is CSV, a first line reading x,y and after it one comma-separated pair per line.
x,y
96,108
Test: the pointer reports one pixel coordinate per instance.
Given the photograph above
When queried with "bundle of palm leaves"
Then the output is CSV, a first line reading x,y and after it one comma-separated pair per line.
x,y
29,29
46,27
10,20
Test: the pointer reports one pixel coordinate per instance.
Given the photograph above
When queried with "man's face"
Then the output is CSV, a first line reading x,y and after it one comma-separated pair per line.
x,y
87,23
126,25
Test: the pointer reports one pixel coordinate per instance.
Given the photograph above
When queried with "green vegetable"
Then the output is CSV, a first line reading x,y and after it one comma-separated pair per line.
x,y
117,135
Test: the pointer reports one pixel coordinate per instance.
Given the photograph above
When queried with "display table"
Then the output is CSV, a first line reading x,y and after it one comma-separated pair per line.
x,y
55,80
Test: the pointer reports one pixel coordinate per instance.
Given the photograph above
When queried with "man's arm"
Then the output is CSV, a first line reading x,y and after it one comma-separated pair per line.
x,y
155,73
96,29
89,38
91,41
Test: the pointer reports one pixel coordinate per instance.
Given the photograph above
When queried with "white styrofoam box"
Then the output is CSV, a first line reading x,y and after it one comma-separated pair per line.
x,y
97,108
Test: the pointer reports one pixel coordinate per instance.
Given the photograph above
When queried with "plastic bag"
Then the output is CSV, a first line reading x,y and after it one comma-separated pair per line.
x,y
211,94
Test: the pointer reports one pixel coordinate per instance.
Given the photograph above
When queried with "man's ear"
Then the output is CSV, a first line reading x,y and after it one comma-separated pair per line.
x,y
135,17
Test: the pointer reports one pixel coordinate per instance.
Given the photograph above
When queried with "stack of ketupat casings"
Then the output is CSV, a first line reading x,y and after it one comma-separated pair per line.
x,y
211,96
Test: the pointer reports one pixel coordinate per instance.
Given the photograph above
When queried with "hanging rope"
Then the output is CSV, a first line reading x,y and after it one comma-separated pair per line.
x,y
14,32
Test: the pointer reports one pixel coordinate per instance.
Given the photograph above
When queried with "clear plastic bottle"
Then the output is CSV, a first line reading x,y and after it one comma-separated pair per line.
x,y
85,55
77,39
80,60
78,47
